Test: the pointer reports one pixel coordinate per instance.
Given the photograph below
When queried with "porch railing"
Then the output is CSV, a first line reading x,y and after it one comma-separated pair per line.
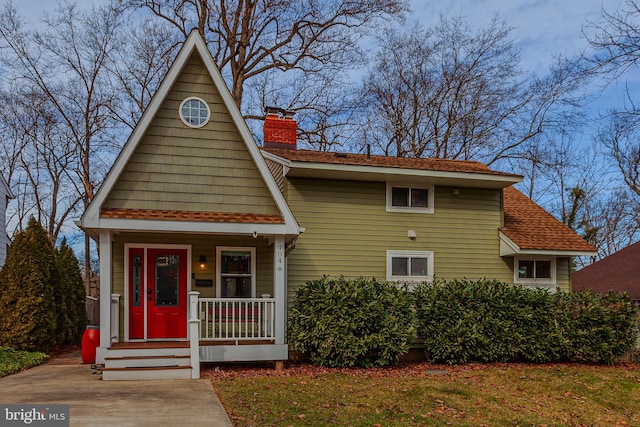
x,y
237,319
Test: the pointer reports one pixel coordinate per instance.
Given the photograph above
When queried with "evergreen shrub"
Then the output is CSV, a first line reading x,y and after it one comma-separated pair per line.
x,y
42,296
27,305
346,322
463,321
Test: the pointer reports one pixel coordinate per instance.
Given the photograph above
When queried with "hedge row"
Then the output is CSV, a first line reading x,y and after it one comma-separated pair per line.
x,y
342,322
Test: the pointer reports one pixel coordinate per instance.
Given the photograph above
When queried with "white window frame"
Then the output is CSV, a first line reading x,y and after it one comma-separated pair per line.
x,y
548,283
185,121
219,250
409,254
430,198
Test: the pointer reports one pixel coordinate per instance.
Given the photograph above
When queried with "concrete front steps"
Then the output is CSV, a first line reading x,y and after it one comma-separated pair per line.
x,y
156,361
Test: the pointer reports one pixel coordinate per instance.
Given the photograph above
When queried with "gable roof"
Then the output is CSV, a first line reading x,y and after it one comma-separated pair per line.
x,y
94,218
619,272
529,229
321,164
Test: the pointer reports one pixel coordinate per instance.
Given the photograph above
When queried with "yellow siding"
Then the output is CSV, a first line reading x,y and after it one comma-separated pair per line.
x,y
200,245
563,278
348,231
176,167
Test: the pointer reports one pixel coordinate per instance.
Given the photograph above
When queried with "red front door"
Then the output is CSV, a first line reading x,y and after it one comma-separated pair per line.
x,y
160,291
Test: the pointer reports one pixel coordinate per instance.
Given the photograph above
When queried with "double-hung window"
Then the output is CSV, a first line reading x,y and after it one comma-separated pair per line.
x,y
409,266
236,272
409,198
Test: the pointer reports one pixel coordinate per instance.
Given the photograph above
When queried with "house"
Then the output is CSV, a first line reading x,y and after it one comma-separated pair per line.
x,y
204,237
619,272
5,196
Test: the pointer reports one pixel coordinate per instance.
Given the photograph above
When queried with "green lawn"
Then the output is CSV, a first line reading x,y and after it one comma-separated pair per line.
x,y
12,361
426,395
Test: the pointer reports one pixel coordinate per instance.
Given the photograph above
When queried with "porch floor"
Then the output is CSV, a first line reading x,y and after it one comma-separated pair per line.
x,y
182,344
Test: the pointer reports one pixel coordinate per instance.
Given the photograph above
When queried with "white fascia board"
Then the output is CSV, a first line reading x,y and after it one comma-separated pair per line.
x,y
91,217
403,172
509,248
201,227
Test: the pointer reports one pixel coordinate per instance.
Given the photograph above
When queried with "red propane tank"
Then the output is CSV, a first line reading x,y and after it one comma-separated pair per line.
x,y
90,341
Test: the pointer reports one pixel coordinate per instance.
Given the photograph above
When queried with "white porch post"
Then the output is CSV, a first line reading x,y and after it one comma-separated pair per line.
x,y
194,334
279,284
105,295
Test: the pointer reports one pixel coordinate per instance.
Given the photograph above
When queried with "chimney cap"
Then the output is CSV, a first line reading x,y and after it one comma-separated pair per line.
x,y
272,111
280,112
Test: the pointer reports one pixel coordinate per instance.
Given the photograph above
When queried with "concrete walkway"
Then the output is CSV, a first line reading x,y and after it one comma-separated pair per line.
x,y
94,402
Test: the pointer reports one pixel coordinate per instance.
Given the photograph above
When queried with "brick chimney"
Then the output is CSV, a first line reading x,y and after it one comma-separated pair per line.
x,y
280,129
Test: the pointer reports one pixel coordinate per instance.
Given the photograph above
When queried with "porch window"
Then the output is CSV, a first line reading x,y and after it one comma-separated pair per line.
x,y
236,272
409,266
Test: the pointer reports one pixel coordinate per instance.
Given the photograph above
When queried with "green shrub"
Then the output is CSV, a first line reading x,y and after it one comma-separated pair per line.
x,y
72,308
27,306
599,328
12,361
487,321
343,322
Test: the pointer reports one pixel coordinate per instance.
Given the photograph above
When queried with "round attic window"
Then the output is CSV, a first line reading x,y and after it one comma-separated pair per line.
x,y
194,112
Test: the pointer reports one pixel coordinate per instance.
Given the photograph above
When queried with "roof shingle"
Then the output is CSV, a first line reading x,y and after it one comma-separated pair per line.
x,y
441,165
531,227
173,215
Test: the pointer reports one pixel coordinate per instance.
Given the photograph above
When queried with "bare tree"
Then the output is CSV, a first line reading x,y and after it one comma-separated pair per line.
x,y
615,40
250,37
64,64
142,54
450,93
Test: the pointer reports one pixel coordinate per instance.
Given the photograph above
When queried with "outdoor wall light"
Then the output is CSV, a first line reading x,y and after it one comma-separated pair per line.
x,y
203,262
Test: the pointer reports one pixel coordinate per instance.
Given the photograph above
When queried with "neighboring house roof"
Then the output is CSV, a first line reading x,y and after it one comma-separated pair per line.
x,y
97,217
530,229
320,164
618,272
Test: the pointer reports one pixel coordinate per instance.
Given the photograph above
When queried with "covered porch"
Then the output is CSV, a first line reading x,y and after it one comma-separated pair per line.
x,y
178,300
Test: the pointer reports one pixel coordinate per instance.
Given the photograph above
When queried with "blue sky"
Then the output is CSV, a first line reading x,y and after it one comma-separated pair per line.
x,y
542,29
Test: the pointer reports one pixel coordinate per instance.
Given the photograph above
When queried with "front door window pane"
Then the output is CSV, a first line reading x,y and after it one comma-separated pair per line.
x,y
137,280
166,280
